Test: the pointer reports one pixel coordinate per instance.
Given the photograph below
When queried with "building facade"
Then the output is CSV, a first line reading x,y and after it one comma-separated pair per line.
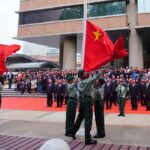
x,y
59,24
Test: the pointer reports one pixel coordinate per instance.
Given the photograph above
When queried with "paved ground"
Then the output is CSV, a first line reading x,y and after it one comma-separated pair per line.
x,y
130,130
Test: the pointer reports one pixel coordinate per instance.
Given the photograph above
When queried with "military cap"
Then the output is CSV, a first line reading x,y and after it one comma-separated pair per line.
x,y
80,73
70,78
101,81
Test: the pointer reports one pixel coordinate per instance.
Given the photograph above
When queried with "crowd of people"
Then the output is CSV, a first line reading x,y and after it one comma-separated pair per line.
x,y
54,84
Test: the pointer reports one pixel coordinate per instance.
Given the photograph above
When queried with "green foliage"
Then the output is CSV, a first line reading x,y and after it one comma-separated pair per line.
x,y
105,9
71,13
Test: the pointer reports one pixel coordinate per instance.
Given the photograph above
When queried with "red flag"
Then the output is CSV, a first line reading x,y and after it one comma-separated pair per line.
x,y
99,49
5,51
2,67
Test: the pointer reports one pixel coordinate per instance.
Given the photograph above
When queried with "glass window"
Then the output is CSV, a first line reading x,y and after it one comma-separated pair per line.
x,y
104,9
51,15
143,6
74,12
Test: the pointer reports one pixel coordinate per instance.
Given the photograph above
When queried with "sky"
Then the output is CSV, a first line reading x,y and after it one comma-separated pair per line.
x,y
9,21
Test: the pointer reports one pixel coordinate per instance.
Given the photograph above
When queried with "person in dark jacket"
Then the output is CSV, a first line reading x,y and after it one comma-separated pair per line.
x,y
147,95
60,93
108,93
114,93
142,88
44,84
10,80
22,86
50,92
133,90
29,85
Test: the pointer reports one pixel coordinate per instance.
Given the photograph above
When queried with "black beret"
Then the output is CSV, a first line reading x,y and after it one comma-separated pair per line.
x,y
101,81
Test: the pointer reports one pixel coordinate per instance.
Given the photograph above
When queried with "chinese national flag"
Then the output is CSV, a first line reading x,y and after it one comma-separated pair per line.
x,y
2,67
5,51
99,49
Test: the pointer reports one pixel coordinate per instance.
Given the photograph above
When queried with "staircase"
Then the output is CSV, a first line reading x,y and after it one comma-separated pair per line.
x,y
12,93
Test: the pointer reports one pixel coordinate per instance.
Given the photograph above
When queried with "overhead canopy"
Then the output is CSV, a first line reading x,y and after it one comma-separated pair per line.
x,y
34,65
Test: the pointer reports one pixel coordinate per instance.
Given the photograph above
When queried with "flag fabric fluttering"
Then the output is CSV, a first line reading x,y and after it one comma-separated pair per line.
x,y
5,51
99,49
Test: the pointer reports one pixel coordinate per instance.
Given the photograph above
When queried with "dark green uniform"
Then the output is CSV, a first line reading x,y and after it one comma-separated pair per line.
x,y
99,111
121,92
85,109
71,107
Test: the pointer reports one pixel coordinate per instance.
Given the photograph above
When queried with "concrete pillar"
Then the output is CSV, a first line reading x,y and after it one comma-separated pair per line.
x,y
69,52
135,42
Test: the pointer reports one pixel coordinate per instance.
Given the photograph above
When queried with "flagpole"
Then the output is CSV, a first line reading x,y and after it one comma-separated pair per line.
x,y
84,33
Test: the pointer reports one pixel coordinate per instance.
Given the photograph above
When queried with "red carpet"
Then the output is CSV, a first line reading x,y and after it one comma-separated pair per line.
x,y
39,104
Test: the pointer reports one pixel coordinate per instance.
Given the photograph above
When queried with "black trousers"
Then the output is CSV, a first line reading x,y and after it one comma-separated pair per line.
x,y
142,98
134,102
49,100
99,118
108,101
114,98
59,100
147,99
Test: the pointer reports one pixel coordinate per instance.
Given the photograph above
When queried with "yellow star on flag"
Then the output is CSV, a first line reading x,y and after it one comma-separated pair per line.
x,y
97,35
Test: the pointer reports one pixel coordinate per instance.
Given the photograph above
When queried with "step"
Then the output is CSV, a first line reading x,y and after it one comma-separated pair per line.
x,y
26,143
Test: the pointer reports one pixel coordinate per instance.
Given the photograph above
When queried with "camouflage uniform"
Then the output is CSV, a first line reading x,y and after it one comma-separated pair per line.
x,y
71,106
85,110
121,93
99,111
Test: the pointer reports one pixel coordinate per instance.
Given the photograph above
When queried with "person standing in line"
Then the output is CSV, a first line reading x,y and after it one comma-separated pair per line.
x,y
147,94
142,88
1,88
10,80
99,108
114,94
60,93
50,92
108,93
85,87
71,103
133,91
121,93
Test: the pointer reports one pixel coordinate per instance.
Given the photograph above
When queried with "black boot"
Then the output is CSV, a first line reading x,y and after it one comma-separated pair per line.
x,y
71,135
90,142
99,136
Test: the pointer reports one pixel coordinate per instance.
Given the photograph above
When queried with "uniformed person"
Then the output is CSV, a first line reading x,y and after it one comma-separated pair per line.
x,y
99,108
121,93
85,110
71,104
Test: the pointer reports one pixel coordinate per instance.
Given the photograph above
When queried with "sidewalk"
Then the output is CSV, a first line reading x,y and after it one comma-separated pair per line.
x,y
130,130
